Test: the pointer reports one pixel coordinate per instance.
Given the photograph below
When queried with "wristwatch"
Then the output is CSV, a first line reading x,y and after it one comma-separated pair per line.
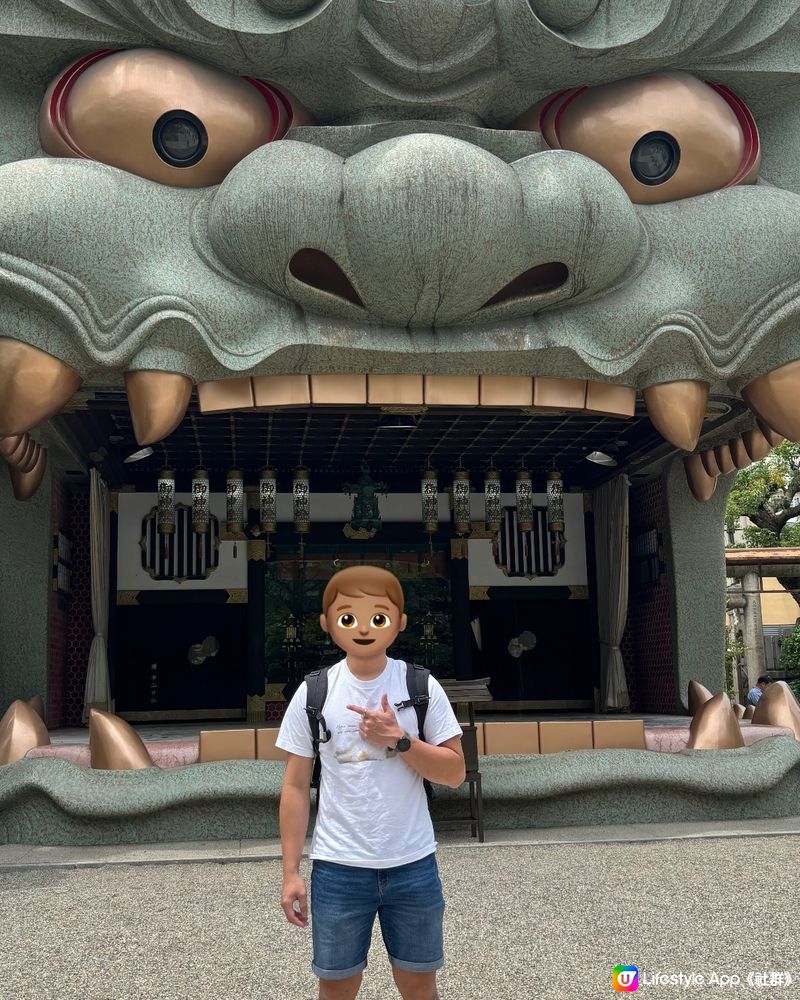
x,y
402,744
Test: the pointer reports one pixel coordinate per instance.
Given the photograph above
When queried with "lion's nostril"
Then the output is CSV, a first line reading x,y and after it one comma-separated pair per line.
x,y
317,269
534,281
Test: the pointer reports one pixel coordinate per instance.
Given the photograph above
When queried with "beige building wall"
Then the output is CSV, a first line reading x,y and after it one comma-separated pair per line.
x,y
777,606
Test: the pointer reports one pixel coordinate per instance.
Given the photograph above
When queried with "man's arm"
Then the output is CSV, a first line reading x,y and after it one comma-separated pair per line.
x,y
443,764
293,818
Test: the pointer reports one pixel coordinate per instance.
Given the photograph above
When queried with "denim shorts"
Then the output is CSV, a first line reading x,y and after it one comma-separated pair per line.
x,y
344,900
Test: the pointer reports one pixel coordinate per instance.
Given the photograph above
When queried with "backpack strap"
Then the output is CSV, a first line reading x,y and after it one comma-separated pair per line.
x,y
418,698
316,694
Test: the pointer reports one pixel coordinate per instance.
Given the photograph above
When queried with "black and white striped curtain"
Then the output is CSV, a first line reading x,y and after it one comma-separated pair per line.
x,y
183,555
525,553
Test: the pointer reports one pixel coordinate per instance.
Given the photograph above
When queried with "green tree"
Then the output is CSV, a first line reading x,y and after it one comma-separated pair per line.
x,y
768,493
790,659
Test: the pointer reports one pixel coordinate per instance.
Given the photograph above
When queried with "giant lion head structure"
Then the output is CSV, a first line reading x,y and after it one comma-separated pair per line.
x,y
603,195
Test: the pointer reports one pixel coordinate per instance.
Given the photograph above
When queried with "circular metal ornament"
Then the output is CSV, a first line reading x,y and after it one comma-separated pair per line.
x,y
180,138
655,158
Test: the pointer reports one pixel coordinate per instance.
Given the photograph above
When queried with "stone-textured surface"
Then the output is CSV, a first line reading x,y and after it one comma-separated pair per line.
x,y
548,922
108,271
695,555
25,588
54,801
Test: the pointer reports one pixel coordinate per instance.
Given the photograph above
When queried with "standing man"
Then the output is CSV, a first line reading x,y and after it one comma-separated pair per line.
x,y
754,694
373,844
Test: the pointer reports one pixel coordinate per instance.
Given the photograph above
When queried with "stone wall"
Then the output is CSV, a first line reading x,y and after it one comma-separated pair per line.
x,y
25,589
647,642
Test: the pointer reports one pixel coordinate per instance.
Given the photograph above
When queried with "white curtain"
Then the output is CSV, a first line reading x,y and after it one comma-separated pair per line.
x,y
98,688
611,547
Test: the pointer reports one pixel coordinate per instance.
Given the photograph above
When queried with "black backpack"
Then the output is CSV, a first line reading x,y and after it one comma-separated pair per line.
x,y
317,692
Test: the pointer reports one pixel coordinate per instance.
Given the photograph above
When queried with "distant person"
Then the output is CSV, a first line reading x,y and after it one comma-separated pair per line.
x,y
754,694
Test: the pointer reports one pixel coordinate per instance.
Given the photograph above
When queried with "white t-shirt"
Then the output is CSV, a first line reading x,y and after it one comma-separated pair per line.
x,y
373,811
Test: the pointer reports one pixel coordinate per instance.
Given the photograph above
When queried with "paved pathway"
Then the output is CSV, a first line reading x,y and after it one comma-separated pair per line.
x,y
525,921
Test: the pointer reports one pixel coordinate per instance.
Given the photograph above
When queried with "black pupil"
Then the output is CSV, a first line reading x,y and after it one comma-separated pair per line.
x,y
347,619
378,620
655,158
180,138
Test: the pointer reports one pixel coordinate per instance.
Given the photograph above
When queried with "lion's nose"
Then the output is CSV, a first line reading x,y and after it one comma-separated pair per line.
x,y
424,230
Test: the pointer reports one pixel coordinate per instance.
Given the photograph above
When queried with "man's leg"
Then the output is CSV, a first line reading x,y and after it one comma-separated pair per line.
x,y
339,989
411,911
344,901
415,985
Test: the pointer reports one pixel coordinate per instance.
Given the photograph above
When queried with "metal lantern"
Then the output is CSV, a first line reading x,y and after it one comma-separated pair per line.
x,y
524,491
555,501
301,501
429,491
491,495
234,502
200,498
267,501
461,508
165,510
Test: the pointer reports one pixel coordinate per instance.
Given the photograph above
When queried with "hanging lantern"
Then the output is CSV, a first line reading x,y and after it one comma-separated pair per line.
x,y
429,488
165,510
491,495
301,501
555,502
524,491
461,507
268,501
234,502
200,513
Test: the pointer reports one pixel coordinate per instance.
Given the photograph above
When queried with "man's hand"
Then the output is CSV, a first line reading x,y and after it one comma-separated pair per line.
x,y
294,891
379,728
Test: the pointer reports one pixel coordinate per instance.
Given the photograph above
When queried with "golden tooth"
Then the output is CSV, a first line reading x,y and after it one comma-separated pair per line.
x,y
222,394
700,483
772,436
114,745
698,695
756,445
25,484
725,461
33,386
709,460
157,401
8,445
773,398
339,389
395,390
739,453
281,390
21,729
559,393
613,400
677,409
506,390
452,390
715,726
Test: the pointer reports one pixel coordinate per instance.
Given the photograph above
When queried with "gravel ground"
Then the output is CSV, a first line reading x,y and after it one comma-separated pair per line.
x,y
522,923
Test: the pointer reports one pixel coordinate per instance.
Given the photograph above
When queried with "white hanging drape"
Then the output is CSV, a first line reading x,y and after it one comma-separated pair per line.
x,y
98,688
611,547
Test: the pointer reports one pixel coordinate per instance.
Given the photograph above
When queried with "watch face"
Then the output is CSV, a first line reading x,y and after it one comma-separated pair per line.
x,y
403,744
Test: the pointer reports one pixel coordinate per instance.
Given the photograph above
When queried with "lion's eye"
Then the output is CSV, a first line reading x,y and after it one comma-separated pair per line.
x,y
664,137
381,621
161,116
347,620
